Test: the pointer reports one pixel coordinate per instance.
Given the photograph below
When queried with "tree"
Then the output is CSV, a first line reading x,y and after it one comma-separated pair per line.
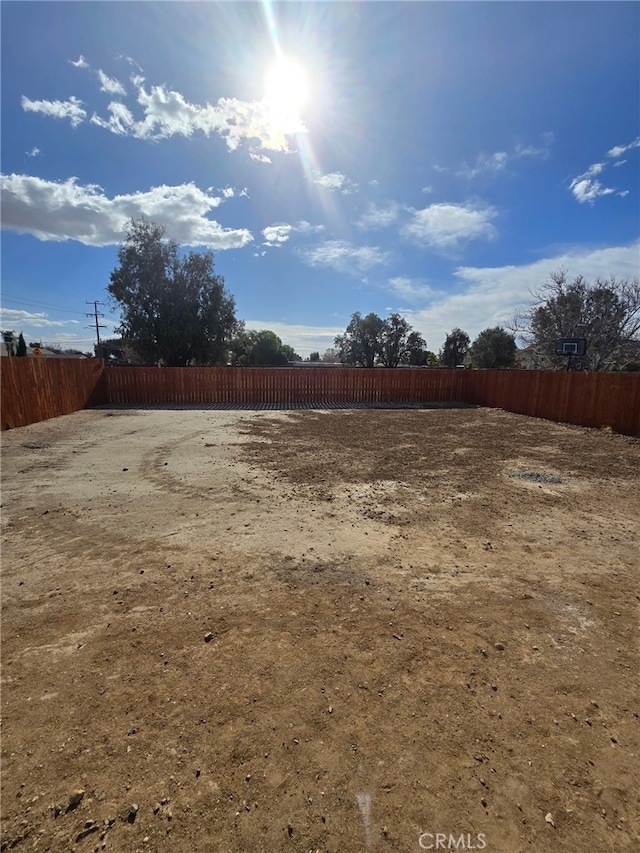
x,y
455,348
22,347
399,344
423,358
606,313
261,349
370,340
362,340
314,356
290,353
9,338
330,356
493,348
175,309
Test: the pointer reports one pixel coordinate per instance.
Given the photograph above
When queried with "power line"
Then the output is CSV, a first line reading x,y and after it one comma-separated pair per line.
x,y
95,315
20,301
29,302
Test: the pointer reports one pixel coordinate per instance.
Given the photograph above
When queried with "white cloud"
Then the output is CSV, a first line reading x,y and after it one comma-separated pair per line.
x,y
71,109
486,297
379,216
10,317
110,85
593,170
261,158
619,150
81,62
304,339
484,163
304,227
410,289
541,151
345,257
447,226
426,190
65,210
120,121
167,113
34,152
276,235
130,61
499,160
336,181
586,189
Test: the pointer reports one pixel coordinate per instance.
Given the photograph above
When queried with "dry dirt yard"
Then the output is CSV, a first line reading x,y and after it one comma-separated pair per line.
x,y
319,631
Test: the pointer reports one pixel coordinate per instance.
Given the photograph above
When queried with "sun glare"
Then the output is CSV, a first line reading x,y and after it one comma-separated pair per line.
x,y
286,87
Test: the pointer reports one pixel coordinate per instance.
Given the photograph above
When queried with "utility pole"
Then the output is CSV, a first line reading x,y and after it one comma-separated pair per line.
x,y
95,314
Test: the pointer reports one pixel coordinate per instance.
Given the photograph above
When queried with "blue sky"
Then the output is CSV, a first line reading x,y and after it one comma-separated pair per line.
x,y
436,159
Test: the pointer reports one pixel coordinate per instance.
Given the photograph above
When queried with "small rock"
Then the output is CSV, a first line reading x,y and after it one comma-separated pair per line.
x,y
89,827
75,799
549,819
499,646
208,637
133,811
125,469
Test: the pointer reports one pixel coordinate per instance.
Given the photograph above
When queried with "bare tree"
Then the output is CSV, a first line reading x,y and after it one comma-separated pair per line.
x,y
606,313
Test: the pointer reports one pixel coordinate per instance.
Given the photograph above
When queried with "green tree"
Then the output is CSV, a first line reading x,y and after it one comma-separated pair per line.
x,y
22,347
9,338
606,313
361,342
455,348
174,307
423,358
399,344
261,349
493,348
314,356
370,340
290,353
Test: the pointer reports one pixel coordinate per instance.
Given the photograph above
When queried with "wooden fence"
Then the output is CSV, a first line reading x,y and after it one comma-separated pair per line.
x,y
280,385
33,390
582,398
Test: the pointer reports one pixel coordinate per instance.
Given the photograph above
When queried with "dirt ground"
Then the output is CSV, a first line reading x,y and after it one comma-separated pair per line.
x,y
319,631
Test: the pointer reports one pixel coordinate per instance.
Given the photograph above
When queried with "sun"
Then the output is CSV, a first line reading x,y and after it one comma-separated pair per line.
x,y
286,87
